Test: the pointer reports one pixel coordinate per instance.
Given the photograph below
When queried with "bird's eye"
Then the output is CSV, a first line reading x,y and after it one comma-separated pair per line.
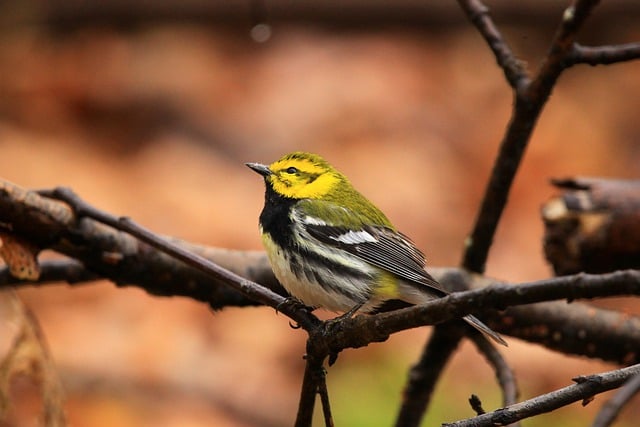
x,y
291,170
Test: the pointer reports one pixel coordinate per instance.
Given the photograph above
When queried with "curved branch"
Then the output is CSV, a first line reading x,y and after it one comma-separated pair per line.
x,y
362,330
246,287
424,375
504,373
603,55
123,259
529,100
512,67
586,387
613,406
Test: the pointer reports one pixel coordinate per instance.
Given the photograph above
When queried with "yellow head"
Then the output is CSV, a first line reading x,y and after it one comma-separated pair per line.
x,y
301,175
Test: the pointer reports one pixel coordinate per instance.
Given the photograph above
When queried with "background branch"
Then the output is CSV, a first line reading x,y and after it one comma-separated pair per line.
x,y
612,338
424,375
530,98
613,406
504,374
513,68
603,55
586,387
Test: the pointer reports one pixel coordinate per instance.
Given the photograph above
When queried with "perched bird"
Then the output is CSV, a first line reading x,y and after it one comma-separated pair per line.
x,y
330,247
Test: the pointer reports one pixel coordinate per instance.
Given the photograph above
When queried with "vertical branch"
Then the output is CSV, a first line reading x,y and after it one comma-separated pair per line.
x,y
530,98
313,383
324,399
425,373
307,396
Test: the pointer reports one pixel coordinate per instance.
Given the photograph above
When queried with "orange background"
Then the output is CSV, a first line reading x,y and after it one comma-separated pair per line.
x,y
156,124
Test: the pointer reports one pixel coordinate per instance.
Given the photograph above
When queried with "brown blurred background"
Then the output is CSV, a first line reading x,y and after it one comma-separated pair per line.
x,y
151,110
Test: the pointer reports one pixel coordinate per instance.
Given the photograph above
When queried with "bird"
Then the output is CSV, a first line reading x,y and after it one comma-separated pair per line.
x,y
331,248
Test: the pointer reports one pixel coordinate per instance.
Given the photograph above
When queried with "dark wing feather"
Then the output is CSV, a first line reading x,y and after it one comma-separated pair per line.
x,y
391,251
381,246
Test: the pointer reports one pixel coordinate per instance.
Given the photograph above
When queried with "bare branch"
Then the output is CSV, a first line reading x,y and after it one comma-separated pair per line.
x,y
578,329
611,409
123,259
593,225
586,387
362,330
603,55
252,290
313,383
529,100
513,68
51,271
504,373
425,374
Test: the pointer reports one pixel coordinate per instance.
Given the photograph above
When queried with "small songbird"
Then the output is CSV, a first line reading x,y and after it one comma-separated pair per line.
x,y
330,247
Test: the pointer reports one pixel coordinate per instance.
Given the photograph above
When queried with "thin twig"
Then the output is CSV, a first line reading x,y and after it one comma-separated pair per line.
x,y
504,374
324,400
586,387
251,289
611,409
476,405
514,70
561,47
424,375
603,55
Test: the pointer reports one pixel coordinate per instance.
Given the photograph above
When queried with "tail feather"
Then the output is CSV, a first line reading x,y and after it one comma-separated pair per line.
x,y
476,323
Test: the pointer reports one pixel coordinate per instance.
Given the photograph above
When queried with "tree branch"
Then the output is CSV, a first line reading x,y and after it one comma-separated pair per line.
x,y
504,373
611,409
425,374
313,382
362,330
513,68
530,98
53,271
586,387
121,258
603,55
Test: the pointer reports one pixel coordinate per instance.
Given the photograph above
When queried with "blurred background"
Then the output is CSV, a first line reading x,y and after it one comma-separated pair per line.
x,y
151,109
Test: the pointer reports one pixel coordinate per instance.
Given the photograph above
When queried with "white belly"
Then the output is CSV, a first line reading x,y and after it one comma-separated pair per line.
x,y
312,293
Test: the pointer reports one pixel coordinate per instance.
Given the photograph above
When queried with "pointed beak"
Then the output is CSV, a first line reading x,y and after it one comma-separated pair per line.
x,y
260,168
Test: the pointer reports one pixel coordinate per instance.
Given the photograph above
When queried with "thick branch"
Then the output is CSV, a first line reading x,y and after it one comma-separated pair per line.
x,y
574,329
586,387
121,258
362,330
53,271
425,374
529,101
593,226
